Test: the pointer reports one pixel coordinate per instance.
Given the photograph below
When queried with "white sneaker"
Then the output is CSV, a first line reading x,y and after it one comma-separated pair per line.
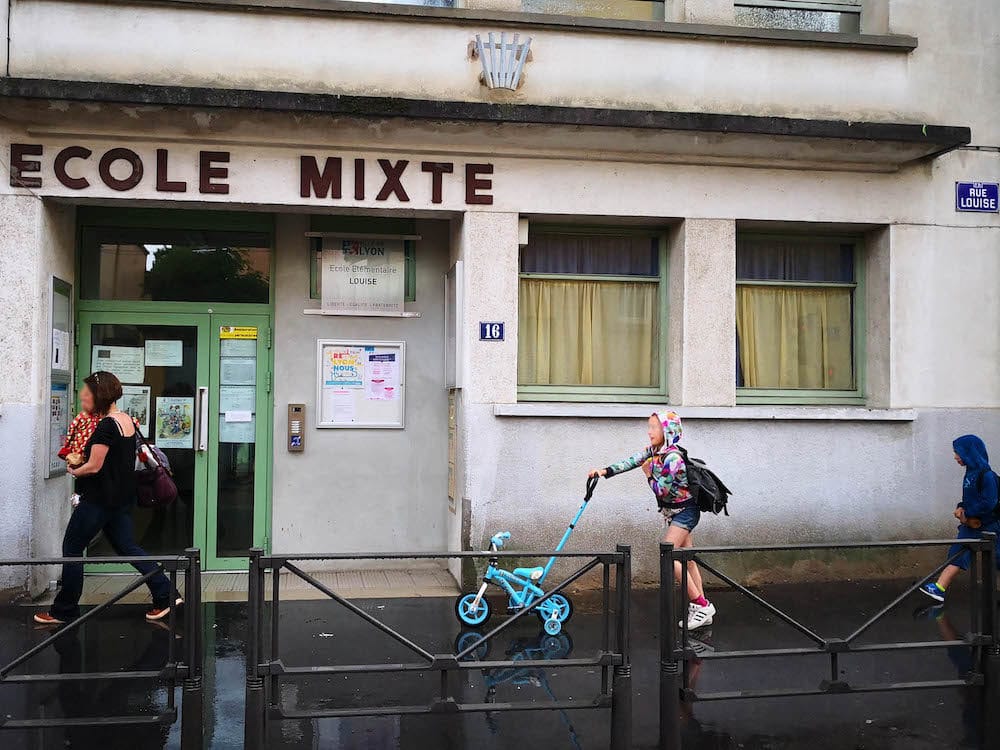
x,y
699,617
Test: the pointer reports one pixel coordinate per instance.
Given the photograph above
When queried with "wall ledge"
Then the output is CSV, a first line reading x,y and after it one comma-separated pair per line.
x,y
774,413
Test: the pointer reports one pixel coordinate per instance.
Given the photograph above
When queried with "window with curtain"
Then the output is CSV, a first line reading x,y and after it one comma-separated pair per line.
x,y
589,311
795,308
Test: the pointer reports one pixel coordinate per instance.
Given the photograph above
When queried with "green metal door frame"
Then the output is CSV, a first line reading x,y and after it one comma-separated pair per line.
x,y
207,321
262,453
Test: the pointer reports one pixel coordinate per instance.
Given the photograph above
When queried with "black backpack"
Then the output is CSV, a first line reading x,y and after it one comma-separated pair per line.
x,y
706,488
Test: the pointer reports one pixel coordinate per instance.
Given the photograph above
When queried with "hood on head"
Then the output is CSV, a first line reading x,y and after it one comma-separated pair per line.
x,y
972,450
671,423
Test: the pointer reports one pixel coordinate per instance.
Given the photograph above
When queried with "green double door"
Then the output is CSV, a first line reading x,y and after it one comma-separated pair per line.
x,y
199,385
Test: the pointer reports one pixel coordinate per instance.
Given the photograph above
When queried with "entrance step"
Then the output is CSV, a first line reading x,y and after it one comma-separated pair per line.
x,y
232,587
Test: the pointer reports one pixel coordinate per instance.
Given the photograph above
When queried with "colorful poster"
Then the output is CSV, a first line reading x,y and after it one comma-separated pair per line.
x,y
164,353
363,277
343,367
382,382
174,422
135,403
127,363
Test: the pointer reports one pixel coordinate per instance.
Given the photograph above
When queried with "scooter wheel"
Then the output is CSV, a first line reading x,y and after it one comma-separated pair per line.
x,y
561,604
557,646
553,627
470,615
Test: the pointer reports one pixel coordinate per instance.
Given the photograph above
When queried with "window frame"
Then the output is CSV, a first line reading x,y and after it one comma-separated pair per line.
x,y
605,393
815,396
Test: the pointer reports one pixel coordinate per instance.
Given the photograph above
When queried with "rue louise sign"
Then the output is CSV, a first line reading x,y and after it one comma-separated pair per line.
x,y
977,197
121,169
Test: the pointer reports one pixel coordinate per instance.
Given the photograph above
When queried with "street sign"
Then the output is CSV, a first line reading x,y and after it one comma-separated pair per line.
x,y
490,331
977,197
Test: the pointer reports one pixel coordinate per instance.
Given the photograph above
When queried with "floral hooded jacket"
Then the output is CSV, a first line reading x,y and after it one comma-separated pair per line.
x,y
664,466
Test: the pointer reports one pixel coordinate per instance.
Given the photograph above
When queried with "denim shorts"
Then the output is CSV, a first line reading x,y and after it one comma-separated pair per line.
x,y
686,518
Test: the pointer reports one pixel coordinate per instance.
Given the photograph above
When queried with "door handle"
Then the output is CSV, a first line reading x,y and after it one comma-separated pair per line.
x,y
202,441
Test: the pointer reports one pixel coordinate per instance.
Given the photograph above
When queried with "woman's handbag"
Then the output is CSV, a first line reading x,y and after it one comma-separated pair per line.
x,y
154,482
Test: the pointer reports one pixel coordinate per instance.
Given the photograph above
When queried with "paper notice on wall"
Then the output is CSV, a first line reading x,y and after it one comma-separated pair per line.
x,y
60,350
135,403
238,370
58,424
174,422
127,363
164,353
237,431
338,406
237,398
238,348
382,377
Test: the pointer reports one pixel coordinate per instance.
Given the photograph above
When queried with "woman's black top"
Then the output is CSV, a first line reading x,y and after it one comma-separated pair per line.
x,y
114,485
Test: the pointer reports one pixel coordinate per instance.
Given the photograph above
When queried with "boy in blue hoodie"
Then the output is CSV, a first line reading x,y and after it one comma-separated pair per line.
x,y
978,511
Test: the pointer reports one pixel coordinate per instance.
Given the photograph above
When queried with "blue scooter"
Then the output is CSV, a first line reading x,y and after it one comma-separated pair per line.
x,y
523,585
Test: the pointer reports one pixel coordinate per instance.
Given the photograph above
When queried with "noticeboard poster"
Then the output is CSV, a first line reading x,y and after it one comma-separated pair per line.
x,y
360,384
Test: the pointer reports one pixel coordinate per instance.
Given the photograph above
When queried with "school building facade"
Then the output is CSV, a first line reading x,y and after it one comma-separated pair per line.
x,y
374,285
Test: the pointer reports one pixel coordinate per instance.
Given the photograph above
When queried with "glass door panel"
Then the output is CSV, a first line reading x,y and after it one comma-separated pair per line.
x,y
161,361
239,403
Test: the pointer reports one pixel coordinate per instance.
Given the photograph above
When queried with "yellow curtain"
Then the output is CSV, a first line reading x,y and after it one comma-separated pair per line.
x,y
795,337
588,333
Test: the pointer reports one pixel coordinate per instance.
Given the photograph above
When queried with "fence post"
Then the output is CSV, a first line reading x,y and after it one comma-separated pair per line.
x,y
670,673
254,725
991,656
193,705
621,684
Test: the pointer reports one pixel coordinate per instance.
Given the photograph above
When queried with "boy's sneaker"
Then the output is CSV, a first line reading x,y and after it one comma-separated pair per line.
x,y
158,613
934,591
699,617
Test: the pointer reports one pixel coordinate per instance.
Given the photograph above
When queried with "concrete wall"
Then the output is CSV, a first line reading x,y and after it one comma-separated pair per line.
x,y
36,242
412,58
360,490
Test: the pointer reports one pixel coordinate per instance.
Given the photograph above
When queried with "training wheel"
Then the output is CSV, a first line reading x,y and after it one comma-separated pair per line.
x,y
553,627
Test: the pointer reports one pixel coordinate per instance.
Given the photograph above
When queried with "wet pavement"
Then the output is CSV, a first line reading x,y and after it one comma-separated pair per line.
x,y
319,632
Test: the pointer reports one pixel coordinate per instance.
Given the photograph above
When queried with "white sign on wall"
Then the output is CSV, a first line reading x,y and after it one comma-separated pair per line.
x,y
363,276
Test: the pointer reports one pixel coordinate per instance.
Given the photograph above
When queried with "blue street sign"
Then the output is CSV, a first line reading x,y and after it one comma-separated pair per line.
x,y
490,331
979,197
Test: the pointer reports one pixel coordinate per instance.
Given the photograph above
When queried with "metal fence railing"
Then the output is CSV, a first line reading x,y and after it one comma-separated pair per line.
x,y
676,651
182,667
266,669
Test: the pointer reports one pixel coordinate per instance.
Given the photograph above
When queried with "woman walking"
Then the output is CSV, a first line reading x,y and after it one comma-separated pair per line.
x,y
105,483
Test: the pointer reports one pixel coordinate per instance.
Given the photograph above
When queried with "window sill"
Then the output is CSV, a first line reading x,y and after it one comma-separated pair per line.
x,y
678,30
773,413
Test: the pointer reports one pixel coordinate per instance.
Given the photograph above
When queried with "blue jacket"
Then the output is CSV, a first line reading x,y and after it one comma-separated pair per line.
x,y
980,486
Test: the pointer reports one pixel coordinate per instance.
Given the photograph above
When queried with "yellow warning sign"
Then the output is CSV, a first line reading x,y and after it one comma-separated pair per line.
x,y
238,332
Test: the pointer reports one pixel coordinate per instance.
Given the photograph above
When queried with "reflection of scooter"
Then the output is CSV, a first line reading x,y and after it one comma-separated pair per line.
x,y
541,647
